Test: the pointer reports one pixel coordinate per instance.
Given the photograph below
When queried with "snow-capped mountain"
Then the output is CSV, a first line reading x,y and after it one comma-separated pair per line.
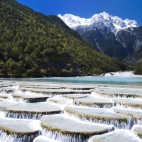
x,y
98,21
110,35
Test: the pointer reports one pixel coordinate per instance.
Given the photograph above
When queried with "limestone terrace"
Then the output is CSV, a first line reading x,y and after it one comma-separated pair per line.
x,y
65,125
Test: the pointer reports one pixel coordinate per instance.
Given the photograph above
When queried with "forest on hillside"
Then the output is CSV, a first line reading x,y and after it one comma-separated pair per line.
x,y
35,45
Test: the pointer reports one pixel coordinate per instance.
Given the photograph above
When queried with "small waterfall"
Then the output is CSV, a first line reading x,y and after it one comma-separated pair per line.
x,y
28,115
17,99
1,109
59,133
8,90
7,137
5,92
59,103
64,137
137,121
70,133
31,100
35,100
126,124
93,105
41,93
128,106
2,113
113,95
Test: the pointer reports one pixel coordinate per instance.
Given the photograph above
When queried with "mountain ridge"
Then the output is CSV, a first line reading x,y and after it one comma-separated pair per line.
x,y
36,45
103,19
110,35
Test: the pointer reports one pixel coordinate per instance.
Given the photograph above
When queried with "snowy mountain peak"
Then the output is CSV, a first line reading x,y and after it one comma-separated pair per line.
x,y
74,21
98,21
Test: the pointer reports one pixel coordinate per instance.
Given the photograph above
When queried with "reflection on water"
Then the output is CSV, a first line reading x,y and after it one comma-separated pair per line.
x,y
86,79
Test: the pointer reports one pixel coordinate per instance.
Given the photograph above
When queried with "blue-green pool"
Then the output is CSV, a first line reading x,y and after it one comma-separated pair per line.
x,y
86,80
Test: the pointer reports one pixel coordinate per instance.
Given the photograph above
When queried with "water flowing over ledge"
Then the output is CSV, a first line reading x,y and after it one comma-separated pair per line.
x,y
63,128
32,110
12,130
70,112
100,115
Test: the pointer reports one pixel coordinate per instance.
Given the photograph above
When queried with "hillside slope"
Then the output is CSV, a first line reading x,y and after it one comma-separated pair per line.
x,y
34,45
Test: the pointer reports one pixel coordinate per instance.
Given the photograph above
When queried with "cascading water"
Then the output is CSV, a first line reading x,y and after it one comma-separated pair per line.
x,y
60,135
128,106
5,137
2,113
31,100
115,95
64,137
126,124
70,130
137,122
41,93
35,100
26,115
93,105
17,99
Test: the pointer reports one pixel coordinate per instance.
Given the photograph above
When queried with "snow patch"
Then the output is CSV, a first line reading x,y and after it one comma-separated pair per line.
x,y
138,45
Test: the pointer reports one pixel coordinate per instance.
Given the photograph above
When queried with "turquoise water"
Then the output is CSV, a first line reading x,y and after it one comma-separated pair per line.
x,y
87,80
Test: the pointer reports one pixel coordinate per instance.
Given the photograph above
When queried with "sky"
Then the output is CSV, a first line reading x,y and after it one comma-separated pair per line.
x,y
131,9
